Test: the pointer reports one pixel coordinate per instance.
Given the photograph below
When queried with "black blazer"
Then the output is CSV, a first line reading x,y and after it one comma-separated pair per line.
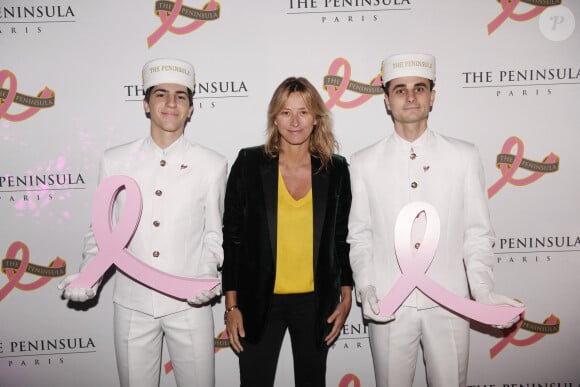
x,y
250,221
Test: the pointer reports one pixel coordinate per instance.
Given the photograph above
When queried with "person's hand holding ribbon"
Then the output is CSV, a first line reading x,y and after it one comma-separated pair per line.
x,y
483,295
205,296
76,294
370,305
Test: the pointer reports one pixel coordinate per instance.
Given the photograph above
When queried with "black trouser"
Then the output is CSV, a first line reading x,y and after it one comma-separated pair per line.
x,y
295,312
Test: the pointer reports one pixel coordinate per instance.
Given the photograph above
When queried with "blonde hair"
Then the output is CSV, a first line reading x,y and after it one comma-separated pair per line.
x,y
322,142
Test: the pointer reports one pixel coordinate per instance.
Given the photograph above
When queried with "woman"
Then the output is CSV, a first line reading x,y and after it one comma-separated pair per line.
x,y
286,263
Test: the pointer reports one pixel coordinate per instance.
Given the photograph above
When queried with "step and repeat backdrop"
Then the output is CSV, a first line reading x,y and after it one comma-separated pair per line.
x,y
508,80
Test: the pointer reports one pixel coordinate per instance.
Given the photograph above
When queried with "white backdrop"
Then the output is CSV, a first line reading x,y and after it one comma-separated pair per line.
x,y
70,88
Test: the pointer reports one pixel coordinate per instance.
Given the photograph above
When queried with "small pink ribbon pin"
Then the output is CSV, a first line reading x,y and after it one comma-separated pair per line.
x,y
414,266
112,245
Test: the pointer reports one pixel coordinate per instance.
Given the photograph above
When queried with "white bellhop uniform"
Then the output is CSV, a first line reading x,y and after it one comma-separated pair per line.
x,y
180,230
444,172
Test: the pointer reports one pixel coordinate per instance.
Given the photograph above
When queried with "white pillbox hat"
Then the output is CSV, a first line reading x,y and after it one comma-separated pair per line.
x,y
168,70
408,65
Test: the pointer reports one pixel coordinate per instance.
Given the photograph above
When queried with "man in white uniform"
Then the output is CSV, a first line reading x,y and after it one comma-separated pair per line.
x,y
418,164
180,232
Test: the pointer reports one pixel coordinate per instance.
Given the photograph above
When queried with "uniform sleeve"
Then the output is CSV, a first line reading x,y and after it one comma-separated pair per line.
x,y
212,251
479,236
360,236
90,248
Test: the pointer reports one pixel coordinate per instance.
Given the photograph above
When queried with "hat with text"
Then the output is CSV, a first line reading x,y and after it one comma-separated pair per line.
x,y
168,70
408,65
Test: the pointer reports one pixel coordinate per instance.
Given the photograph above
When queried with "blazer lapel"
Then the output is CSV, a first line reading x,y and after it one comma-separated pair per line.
x,y
319,196
269,171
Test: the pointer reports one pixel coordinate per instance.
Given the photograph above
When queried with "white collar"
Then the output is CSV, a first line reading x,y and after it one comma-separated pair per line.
x,y
423,140
175,147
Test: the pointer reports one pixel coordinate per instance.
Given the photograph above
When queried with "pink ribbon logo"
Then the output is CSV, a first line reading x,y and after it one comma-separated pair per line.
x,y
112,245
551,325
221,341
15,269
348,380
508,164
508,11
336,86
210,11
414,265
45,99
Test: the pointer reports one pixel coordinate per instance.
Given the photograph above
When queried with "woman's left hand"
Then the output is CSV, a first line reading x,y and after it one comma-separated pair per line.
x,y
338,317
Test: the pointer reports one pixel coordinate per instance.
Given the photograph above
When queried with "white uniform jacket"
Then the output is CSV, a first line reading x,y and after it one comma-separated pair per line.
x,y
442,171
180,231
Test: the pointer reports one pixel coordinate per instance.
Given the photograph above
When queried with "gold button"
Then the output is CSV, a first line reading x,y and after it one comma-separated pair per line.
x,y
413,156
156,223
417,245
158,192
156,254
162,163
414,184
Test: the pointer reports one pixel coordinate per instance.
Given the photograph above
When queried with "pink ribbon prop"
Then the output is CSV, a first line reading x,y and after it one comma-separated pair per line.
x,y
112,245
414,265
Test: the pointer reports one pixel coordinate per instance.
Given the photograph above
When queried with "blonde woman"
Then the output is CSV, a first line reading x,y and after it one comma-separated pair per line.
x,y
286,263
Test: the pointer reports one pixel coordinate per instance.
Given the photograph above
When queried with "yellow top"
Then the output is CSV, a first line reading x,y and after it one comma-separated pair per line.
x,y
294,258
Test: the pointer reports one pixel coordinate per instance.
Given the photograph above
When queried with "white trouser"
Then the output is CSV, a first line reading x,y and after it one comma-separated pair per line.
x,y
443,336
189,339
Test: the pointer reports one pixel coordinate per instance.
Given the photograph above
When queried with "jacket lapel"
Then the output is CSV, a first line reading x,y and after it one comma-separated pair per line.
x,y
269,172
319,196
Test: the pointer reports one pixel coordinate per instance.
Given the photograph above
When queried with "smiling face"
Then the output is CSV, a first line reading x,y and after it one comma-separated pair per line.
x,y
409,100
295,122
169,109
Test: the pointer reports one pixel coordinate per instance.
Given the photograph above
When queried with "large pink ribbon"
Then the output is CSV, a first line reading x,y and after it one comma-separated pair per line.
x,y
112,245
414,265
